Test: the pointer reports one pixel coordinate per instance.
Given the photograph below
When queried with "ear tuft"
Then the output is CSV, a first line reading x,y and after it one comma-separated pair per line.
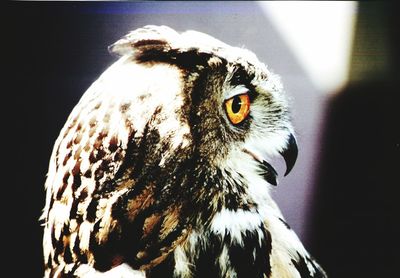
x,y
149,37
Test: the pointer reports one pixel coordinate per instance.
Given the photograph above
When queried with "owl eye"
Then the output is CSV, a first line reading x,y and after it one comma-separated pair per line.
x,y
237,108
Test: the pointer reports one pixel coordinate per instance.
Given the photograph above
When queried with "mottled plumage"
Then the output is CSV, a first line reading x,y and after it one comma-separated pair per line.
x,y
153,176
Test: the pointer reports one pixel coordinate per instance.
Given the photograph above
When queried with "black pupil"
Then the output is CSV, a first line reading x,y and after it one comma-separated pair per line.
x,y
236,104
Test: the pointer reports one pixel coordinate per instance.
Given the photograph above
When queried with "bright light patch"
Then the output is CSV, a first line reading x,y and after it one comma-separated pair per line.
x,y
319,34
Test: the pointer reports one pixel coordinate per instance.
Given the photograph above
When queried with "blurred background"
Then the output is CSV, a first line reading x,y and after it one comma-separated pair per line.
x,y
338,63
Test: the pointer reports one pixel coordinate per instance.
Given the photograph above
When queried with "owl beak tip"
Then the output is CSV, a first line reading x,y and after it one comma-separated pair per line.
x,y
289,153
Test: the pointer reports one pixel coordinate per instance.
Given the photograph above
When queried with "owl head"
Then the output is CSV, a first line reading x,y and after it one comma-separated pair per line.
x,y
167,156
196,117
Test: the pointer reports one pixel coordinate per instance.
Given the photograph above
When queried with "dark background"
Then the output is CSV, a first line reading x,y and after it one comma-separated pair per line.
x,y
346,212
356,218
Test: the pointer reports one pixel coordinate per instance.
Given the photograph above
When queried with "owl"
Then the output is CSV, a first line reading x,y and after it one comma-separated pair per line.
x,y
163,167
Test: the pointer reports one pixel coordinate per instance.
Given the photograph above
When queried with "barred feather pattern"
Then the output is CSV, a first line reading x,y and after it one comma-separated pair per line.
x,y
148,178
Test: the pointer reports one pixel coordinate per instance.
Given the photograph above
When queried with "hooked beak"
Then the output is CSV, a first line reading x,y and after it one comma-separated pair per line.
x,y
289,154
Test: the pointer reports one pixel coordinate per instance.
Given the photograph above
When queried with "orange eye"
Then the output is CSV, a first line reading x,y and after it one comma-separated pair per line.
x,y
237,108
